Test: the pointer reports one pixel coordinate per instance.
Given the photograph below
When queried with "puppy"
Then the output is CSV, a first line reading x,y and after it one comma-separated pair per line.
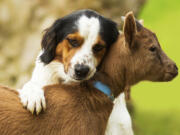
x,y
72,50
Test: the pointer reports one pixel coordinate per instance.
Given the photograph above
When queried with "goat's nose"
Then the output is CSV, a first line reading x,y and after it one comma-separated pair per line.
x,y
81,71
173,69
176,68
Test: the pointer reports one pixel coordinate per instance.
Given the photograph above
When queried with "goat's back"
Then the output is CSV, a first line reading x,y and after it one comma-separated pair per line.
x,y
70,111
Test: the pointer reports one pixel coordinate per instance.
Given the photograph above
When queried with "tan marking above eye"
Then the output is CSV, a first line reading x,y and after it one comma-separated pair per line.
x,y
75,40
99,45
100,54
100,41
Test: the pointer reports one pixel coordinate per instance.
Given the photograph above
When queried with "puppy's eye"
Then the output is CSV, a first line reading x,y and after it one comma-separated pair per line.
x,y
152,49
73,42
98,48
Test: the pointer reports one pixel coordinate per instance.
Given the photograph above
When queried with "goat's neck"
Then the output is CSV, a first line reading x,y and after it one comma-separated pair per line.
x,y
115,69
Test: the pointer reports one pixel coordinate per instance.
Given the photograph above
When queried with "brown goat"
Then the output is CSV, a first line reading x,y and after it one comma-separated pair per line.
x,y
82,109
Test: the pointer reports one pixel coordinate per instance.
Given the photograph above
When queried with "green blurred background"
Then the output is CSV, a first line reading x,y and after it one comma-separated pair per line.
x,y
158,104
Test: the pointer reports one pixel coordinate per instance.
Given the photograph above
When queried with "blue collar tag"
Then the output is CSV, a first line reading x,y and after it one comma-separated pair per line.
x,y
104,88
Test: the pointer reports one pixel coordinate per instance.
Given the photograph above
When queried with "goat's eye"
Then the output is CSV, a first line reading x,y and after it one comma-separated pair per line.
x,y
152,49
73,42
97,48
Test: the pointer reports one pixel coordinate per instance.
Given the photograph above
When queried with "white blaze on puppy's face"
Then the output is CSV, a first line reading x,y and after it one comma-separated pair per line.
x,y
89,29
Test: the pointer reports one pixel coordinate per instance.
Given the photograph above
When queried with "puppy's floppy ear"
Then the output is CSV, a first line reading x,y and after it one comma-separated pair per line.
x,y
129,28
48,45
53,35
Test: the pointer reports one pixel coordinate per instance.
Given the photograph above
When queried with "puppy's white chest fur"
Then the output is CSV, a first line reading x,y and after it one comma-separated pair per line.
x,y
119,122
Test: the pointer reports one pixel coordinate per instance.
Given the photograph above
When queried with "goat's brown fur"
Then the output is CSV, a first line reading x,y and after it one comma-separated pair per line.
x,y
71,110
81,109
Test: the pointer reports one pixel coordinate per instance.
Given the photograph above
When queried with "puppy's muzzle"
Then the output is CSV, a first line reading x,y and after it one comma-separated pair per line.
x,y
81,71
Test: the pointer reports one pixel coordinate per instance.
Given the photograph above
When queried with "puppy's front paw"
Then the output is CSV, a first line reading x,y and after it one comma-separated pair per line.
x,y
32,97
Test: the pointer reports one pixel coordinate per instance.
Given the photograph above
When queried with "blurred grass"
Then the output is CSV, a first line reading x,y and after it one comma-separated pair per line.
x,y
158,104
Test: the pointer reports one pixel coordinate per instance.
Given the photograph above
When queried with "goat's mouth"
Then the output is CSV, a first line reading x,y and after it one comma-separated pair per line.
x,y
169,76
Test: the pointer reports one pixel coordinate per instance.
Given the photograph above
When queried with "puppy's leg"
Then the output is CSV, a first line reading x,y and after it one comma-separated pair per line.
x,y
32,97
119,121
32,94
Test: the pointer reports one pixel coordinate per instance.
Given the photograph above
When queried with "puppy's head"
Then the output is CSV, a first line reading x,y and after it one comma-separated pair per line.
x,y
79,41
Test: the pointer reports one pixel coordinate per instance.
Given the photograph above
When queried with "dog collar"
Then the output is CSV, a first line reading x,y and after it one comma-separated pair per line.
x,y
104,88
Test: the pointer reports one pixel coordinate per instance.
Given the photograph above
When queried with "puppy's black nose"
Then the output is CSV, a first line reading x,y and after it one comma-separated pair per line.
x,y
81,71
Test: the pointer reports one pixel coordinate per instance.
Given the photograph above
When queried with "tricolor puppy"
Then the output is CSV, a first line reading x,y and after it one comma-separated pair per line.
x,y
72,49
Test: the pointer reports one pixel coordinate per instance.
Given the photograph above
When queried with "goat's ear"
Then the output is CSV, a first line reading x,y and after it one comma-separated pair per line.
x,y
141,21
129,28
